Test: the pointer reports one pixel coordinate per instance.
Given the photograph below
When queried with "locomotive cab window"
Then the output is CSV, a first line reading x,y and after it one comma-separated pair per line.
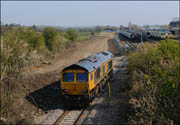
x,y
68,77
82,77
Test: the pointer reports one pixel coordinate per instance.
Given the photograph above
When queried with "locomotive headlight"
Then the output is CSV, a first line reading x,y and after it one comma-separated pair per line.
x,y
84,91
66,90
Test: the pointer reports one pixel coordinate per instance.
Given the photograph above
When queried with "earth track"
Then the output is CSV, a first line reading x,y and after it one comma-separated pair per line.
x,y
78,51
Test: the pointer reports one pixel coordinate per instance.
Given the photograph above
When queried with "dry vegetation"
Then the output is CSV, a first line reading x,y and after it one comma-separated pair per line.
x,y
23,47
154,84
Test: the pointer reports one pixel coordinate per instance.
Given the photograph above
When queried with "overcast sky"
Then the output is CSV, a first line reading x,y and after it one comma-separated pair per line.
x,y
88,13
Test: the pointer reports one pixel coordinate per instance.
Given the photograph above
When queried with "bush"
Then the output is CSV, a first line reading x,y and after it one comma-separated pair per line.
x,y
50,34
14,57
36,41
33,39
92,33
72,35
155,91
58,43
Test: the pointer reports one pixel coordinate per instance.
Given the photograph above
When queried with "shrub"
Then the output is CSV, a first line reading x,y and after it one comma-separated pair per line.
x,y
72,35
50,34
36,41
155,73
33,39
14,57
58,43
92,33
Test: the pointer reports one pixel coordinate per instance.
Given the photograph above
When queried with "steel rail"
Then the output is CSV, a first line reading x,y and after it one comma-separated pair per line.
x,y
61,117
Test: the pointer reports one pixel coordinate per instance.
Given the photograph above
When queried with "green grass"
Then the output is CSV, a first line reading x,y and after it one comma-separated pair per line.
x,y
83,36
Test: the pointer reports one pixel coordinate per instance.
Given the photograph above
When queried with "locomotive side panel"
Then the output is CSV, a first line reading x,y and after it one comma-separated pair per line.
x,y
107,69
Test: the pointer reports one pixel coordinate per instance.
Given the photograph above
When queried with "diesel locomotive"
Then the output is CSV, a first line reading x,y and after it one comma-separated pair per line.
x,y
86,78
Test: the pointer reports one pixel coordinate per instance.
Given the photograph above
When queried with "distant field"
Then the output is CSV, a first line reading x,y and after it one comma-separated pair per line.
x,y
83,36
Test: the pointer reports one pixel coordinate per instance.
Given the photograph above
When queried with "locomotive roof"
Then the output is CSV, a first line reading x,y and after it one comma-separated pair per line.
x,y
92,62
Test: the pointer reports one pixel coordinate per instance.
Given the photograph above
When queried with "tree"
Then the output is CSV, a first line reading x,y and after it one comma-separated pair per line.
x,y
72,35
33,39
34,28
14,57
36,41
49,35
136,27
165,26
92,33
121,27
99,29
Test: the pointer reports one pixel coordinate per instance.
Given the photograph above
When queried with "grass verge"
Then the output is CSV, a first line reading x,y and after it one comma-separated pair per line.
x,y
84,36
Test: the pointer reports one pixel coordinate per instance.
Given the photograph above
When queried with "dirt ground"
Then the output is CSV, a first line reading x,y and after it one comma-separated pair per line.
x,y
38,91
76,52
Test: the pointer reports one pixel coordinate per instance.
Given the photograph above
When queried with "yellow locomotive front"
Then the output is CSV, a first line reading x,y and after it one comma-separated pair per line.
x,y
83,80
74,82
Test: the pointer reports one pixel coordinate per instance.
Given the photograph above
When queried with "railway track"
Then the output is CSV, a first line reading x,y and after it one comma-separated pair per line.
x,y
74,117
70,117
130,44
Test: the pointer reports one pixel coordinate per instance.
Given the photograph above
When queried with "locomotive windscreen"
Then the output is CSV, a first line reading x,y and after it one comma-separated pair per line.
x,y
68,77
82,77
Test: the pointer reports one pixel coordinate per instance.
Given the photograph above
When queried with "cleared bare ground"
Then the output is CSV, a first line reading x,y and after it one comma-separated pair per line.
x,y
76,52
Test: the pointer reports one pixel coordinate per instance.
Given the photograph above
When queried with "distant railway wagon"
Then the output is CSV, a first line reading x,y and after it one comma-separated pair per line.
x,y
127,34
156,34
86,78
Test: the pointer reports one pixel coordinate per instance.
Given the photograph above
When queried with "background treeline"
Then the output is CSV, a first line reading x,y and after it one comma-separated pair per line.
x,y
155,84
40,28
